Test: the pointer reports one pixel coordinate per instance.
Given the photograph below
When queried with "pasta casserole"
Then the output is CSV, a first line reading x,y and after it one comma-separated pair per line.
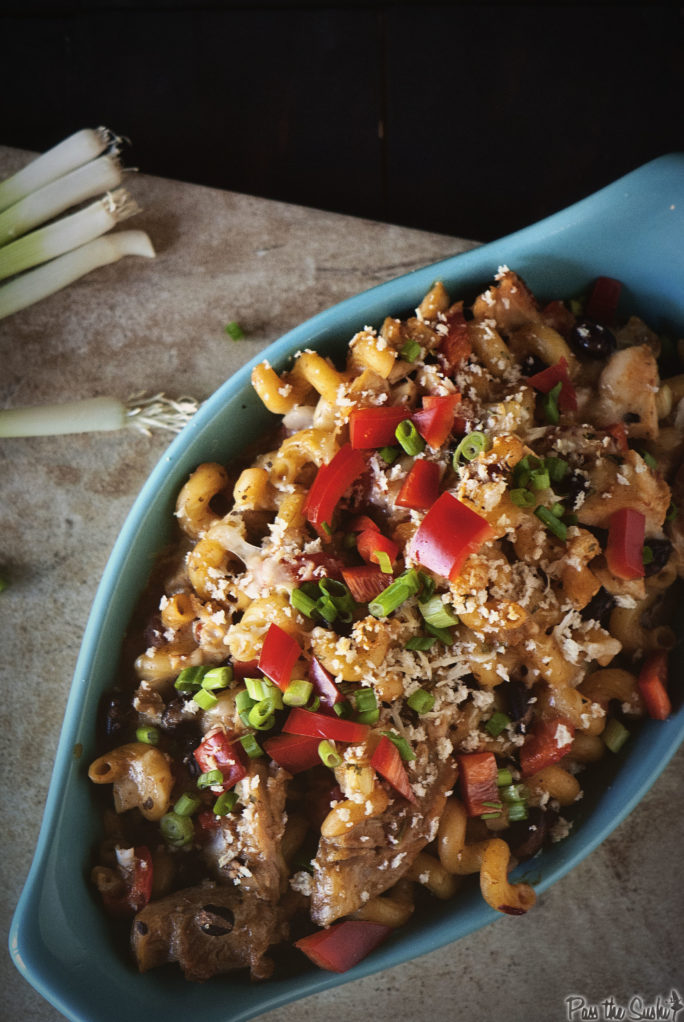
x,y
385,646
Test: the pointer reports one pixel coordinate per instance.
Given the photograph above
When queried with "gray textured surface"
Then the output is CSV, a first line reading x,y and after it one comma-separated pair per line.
x,y
611,928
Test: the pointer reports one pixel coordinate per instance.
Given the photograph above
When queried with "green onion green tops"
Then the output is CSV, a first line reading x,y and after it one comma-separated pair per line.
x,y
409,437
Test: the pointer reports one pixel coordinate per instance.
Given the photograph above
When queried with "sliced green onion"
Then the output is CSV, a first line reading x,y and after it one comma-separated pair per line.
x,y
491,816
405,750
421,701
649,459
395,594
94,178
365,699
329,755
421,642
615,735
647,555
389,454
521,472
443,634
244,701
340,596
66,234
552,523
517,811
672,512
189,679
343,709
540,479
558,509
207,700
217,678
61,159
177,831
427,587
225,803
512,793
469,447
261,715
303,603
325,605
384,562
493,805
550,404
409,438
326,528
410,351
257,689
210,779
504,777
147,735
187,804
234,331
298,692
557,468
251,746
522,498
496,723
34,285
437,614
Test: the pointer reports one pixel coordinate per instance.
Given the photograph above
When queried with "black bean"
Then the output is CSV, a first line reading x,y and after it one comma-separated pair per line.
x,y
599,607
661,550
593,339
526,837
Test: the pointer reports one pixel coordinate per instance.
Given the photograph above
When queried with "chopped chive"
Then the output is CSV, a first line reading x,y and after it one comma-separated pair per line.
x,y
207,700
147,735
328,754
427,587
437,614
421,642
177,831
496,723
217,678
405,750
384,562
558,509
297,693
187,804
368,716
550,404
421,701
251,746
493,805
522,498
325,605
410,351
469,447
225,803
504,777
552,523
409,438
389,454
210,779
234,331
615,735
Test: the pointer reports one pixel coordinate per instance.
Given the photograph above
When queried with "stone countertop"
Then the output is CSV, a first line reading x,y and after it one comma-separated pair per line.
x,y
611,928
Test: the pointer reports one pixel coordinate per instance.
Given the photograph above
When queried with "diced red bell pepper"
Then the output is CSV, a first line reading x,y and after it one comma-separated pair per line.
x,y
477,776
557,315
344,944
218,752
625,546
448,534
603,300
546,743
321,725
455,346
138,883
387,761
435,420
370,542
324,684
293,753
547,379
245,668
330,484
360,523
207,821
376,427
420,489
279,654
652,685
365,581
619,434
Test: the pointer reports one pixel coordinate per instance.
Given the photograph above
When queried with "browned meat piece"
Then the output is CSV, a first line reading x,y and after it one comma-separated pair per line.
x,y
629,484
627,392
207,930
372,855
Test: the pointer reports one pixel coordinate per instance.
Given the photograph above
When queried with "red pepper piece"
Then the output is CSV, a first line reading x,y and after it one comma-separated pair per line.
x,y
320,725
477,775
324,684
375,427
546,743
387,761
279,654
344,944
293,753
365,582
547,379
603,300
652,685
370,542
455,346
435,420
246,668
330,483
625,546
557,315
619,434
420,489
218,752
362,522
448,534
138,882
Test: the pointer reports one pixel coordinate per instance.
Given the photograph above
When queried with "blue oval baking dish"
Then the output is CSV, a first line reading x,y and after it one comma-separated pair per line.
x,y
60,940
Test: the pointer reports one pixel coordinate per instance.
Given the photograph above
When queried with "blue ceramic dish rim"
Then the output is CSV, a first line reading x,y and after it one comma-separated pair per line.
x,y
641,196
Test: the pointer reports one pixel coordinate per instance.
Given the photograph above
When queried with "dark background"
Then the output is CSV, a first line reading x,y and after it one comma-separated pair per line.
x,y
471,120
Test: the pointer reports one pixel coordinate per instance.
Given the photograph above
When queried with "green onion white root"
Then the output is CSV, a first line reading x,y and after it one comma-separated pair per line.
x,y
100,414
